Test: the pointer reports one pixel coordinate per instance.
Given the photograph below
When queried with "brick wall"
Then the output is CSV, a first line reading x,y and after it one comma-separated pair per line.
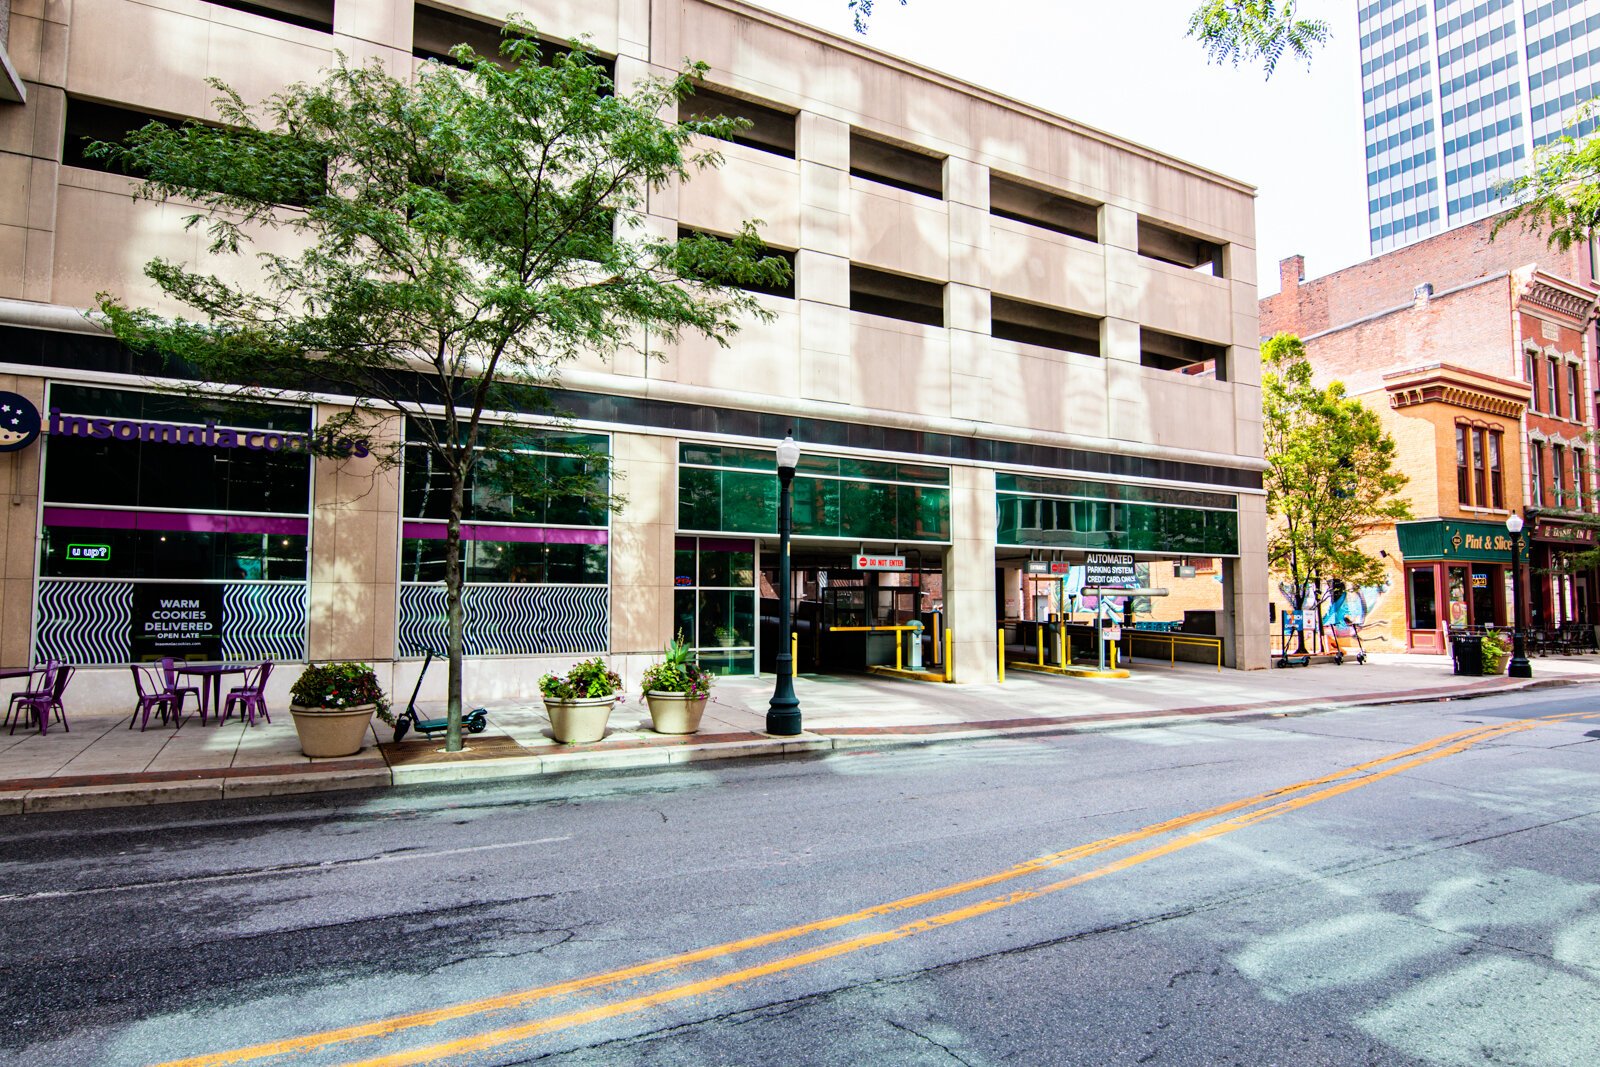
x,y
1387,281
1469,327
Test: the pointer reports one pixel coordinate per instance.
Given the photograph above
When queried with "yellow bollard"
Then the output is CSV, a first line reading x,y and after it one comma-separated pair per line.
x,y
1064,661
794,652
899,650
1000,641
1113,655
950,653
1038,639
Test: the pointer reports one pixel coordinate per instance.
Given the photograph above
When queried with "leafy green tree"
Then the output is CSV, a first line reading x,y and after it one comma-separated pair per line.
x,y
1330,475
1559,195
1230,31
1255,31
458,237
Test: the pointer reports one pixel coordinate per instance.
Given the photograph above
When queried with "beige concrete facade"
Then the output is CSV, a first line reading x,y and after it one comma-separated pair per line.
x,y
67,233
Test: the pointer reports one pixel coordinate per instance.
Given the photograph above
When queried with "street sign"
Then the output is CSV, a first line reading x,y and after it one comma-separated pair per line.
x,y
1185,571
1110,569
1048,568
868,562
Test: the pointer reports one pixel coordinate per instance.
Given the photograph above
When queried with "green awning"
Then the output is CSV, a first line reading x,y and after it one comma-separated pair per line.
x,y
1454,539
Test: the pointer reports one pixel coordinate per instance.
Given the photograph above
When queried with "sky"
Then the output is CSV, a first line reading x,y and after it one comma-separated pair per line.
x,y
1127,68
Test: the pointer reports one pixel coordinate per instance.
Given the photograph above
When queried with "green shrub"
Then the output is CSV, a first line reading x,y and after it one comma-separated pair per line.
x,y
340,685
1496,650
590,678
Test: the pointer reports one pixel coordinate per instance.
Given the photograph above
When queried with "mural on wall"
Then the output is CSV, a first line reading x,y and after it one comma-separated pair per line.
x,y
1360,605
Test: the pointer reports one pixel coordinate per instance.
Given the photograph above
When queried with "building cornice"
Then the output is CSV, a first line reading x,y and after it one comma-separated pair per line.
x,y
1554,296
1459,387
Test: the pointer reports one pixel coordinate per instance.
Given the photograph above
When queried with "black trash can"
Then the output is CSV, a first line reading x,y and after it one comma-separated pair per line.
x,y
1466,654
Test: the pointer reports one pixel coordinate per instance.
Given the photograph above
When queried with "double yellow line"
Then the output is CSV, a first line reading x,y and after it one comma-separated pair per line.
x,y
1276,802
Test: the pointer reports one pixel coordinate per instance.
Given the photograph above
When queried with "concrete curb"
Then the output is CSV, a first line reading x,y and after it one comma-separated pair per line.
x,y
222,788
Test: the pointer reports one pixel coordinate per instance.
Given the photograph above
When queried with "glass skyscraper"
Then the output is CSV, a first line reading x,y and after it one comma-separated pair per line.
x,y
1456,95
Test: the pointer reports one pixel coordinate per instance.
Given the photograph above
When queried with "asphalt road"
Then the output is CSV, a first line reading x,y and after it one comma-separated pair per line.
x,y
1424,891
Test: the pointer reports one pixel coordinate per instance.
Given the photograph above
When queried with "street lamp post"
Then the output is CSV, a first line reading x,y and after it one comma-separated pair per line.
x,y
1520,667
783,712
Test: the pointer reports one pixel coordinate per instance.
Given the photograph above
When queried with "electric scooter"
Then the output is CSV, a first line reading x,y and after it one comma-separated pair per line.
x,y
1285,658
474,722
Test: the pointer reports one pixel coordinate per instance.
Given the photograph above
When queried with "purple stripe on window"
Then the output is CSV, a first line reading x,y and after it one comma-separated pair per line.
x,y
95,519
718,544
479,531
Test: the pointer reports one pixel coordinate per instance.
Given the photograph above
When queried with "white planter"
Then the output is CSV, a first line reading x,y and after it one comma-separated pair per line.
x,y
332,731
674,713
579,721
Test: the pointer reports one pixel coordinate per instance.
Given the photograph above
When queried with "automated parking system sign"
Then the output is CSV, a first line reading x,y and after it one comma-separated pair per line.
x,y
1114,570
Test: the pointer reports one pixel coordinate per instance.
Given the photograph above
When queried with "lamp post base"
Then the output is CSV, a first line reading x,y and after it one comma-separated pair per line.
x,y
1519,668
783,717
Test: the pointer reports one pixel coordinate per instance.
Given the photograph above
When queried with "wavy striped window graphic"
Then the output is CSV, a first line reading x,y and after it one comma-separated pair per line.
x,y
88,623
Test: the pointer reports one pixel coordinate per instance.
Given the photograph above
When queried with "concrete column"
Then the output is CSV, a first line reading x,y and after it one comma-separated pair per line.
x,y
355,537
1245,590
19,473
642,535
822,267
30,144
969,574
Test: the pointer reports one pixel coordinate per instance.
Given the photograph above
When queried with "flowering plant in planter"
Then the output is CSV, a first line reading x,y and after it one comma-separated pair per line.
x,y
340,685
590,678
579,703
678,672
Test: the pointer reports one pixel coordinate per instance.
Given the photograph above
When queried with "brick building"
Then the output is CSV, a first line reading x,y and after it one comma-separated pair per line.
x,y
1480,357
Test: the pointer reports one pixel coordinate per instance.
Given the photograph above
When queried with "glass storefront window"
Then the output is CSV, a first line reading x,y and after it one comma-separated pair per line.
x,y
722,567
726,619
176,477
422,559
1093,524
82,552
739,501
1424,606
203,498
714,606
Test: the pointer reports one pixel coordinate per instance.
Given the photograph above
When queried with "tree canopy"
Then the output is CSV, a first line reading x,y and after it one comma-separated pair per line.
x,y
453,239
1559,195
1330,474
1230,31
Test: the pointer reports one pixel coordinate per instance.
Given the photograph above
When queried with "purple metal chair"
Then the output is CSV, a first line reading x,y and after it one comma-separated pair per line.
x,y
150,696
169,676
250,697
37,702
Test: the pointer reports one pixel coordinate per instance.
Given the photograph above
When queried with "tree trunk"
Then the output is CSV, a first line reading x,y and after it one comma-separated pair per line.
x,y
1321,643
1300,590
454,640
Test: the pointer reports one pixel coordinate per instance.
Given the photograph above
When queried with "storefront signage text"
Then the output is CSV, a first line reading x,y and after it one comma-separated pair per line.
x,y
1462,540
89,553
880,563
207,436
1041,566
1579,535
1110,569
183,621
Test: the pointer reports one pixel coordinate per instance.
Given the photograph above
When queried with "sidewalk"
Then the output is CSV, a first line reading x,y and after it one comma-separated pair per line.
x,y
102,763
